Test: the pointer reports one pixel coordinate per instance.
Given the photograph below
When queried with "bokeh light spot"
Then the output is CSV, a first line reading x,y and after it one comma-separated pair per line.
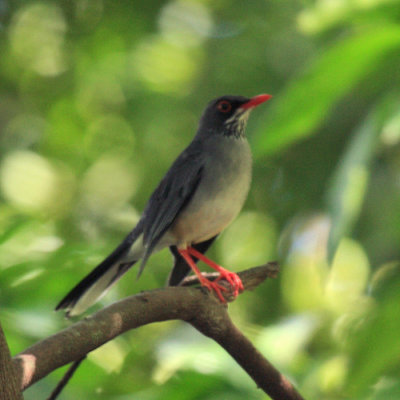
x,y
28,180
107,185
185,23
348,276
165,67
37,38
249,241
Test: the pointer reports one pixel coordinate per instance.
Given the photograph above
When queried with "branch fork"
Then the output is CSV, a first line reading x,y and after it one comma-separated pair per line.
x,y
194,305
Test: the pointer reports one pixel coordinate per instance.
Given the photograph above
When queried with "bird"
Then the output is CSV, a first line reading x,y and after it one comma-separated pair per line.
x,y
200,195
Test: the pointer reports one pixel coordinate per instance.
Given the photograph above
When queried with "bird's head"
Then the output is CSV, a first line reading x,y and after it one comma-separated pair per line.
x,y
228,115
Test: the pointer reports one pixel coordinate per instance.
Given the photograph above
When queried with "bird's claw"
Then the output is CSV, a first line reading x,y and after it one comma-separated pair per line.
x,y
217,288
233,279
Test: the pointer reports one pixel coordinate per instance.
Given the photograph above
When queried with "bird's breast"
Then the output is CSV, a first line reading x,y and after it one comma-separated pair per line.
x,y
220,195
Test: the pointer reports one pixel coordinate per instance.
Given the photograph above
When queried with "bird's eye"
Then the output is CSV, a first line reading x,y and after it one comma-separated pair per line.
x,y
224,106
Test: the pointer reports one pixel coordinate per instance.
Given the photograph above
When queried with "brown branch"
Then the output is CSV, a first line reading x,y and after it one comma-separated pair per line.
x,y
194,305
9,387
264,374
251,277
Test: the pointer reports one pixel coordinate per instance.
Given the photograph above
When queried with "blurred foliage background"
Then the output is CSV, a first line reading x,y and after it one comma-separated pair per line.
x,y
97,97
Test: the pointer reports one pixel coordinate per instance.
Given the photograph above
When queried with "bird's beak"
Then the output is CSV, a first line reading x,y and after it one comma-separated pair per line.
x,y
255,101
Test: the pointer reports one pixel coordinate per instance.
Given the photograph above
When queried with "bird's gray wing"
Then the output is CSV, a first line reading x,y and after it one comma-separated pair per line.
x,y
171,196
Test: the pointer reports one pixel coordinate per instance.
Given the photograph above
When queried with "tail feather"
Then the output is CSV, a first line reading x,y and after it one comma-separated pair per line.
x,y
97,282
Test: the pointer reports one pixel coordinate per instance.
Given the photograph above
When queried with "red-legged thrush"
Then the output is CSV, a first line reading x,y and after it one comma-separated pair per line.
x,y
199,196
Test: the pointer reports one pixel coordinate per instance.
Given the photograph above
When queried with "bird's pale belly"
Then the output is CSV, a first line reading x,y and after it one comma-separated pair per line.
x,y
220,196
200,227
202,223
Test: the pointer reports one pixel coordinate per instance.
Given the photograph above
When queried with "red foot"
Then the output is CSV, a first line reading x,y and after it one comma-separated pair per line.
x,y
232,278
214,286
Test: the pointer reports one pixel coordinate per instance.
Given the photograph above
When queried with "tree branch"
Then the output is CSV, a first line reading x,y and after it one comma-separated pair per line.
x,y
194,305
9,388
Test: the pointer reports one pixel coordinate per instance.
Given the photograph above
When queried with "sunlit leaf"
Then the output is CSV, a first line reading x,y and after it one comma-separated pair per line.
x,y
347,278
386,388
110,356
349,183
376,347
307,100
248,241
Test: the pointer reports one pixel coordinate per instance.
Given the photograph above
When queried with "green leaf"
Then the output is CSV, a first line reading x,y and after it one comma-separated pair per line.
x,y
375,349
349,183
307,100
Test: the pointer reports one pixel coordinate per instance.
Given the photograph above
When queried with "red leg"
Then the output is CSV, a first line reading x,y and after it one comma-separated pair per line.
x,y
231,277
204,281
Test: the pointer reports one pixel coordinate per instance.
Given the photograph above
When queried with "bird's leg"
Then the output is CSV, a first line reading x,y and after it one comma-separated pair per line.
x,y
231,277
203,281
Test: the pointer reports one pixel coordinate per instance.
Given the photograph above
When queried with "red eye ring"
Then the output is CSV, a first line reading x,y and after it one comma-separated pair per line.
x,y
224,106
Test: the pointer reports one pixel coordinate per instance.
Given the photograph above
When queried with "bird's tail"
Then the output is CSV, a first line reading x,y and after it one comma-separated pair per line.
x,y
96,283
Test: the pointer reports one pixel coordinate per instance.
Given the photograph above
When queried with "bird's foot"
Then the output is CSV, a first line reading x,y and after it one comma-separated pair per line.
x,y
233,279
214,286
